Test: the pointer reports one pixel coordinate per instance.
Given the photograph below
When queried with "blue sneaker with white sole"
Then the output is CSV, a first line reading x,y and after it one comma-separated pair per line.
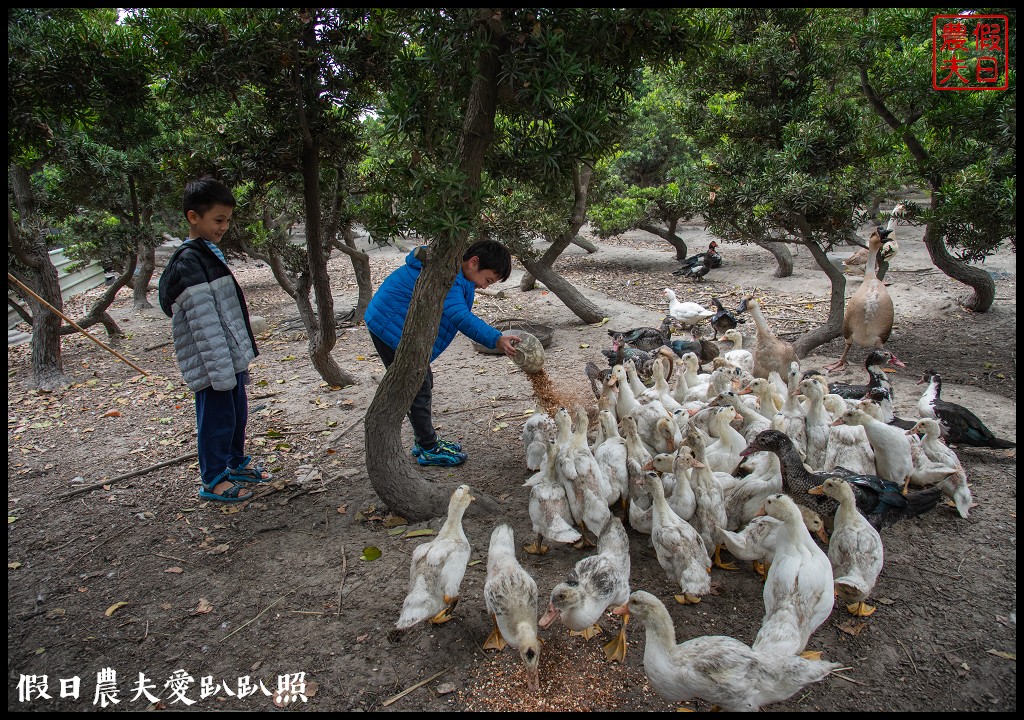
x,y
441,455
448,444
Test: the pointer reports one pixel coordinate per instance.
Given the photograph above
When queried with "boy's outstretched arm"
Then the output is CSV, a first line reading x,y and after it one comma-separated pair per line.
x,y
507,344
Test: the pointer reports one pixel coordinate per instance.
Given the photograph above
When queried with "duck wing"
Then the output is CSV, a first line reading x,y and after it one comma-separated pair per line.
x,y
965,428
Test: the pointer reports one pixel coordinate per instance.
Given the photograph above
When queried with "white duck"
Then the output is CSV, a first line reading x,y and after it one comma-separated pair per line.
x,y
637,457
611,455
720,380
791,419
855,549
595,584
743,359
723,455
682,501
768,401
549,506
437,568
745,495
848,445
660,390
587,469
688,314
510,594
893,458
635,383
752,422
537,430
798,592
646,415
710,512
691,369
578,472
817,421
940,464
680,550
757,540
715,668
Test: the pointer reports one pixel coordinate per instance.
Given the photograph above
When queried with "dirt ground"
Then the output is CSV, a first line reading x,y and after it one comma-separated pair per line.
x,y
140,576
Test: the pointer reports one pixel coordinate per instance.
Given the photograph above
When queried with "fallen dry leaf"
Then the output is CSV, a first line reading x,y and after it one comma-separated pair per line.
x,y
176,570
111,413
852,628
203,607
1002,654
114,608
219,550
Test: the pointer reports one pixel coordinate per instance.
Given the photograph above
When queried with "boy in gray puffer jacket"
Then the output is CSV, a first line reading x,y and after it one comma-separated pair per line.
x,y
213,342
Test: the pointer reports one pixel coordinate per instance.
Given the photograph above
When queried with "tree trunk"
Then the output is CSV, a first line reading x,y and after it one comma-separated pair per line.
x,y
581,175
98,312
147,265
33,267
582,242
983,284
361,269
669,235
387,462
565,291
319,325
833,326
782,256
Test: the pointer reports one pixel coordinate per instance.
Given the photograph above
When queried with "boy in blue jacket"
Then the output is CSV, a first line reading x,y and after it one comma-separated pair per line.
x,y
484,263
213,342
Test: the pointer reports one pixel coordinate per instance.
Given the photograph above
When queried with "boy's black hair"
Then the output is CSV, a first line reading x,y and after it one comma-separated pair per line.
x,y
205,192
492,256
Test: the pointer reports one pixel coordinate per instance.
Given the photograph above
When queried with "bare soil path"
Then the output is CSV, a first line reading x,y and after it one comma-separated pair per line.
x,y
143,577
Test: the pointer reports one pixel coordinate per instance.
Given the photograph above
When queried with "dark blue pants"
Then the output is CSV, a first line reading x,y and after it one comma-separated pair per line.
x,y
221,416
419,414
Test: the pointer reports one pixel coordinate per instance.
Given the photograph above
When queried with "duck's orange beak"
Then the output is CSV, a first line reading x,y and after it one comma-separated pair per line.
x,y
816,490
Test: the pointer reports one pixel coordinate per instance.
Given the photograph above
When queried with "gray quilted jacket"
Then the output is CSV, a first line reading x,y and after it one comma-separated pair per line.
x,y
213,340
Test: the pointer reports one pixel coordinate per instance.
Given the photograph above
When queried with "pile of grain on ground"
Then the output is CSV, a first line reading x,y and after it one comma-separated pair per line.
x,y
574,677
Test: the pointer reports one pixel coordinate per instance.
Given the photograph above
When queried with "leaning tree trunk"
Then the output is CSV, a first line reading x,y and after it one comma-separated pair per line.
x,y
319,325
833,326
580,186
387,462
565,291
669,235
983,284
360,268
147,266
782,256
98,314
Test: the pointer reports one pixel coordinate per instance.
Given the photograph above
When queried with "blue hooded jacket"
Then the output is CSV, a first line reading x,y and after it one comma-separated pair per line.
x,y
385,315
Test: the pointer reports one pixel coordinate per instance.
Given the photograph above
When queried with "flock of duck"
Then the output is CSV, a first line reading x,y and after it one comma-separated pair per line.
x,y
754,456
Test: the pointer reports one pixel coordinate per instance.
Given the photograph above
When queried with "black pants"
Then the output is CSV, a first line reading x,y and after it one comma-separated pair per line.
x,y
419,413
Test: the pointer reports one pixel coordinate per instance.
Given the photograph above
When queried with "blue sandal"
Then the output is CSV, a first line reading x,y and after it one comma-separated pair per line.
x,y
232,495
249,472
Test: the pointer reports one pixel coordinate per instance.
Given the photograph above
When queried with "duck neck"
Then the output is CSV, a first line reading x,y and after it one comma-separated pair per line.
x,y
847,512
453,523
870,269
755,311
791,465
931,393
